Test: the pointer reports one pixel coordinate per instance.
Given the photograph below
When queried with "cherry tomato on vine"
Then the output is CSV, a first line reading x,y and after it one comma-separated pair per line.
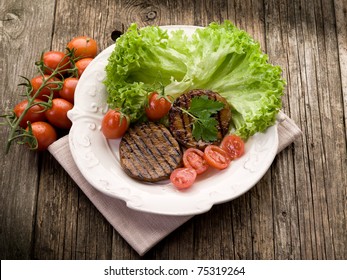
x,y
233,145
34,114
68,90
183,178
194,158
216,157
82,64
53,60
57,114
158,107
44,133
36,83
84,47
114,124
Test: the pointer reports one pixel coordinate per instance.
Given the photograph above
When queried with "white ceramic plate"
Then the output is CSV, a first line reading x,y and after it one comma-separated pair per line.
x,y
98,159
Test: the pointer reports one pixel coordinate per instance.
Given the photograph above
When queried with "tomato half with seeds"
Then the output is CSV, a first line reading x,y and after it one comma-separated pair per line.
x,y
83,46
114,124
233,145
53,60
68,90
82,64
158,106
216,157
33,114
194,158
52,85
183,178
57,114
44,133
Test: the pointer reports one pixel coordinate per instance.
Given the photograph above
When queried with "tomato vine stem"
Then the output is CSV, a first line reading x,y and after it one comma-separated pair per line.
x,y
16,132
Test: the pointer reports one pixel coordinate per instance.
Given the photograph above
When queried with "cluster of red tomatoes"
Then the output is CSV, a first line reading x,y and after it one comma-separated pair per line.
x,y
51,93
197,162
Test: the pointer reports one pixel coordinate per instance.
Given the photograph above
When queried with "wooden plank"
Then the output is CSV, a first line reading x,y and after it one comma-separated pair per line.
x,y
69,226
309,42
339,198
20,22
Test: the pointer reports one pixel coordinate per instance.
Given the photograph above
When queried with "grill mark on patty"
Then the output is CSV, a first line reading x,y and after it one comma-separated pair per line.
x,y
148,152
177,151
158,157
130,161
147,156
137,157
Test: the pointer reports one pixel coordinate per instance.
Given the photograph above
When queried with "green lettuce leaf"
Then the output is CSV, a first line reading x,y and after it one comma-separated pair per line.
x,y
220,57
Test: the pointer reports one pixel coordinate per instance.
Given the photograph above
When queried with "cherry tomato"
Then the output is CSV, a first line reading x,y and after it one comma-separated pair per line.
x,y
194,158
183,178
54,59
158,107
84,47
57,114
114,124
68,90
36,83
82,64
34,114
44,133
233,145
216,157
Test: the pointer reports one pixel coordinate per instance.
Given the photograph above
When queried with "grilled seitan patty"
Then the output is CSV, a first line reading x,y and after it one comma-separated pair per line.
x,y
181,124
148,152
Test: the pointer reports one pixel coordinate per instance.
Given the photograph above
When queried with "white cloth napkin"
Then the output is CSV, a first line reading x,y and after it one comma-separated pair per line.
x,y
142,230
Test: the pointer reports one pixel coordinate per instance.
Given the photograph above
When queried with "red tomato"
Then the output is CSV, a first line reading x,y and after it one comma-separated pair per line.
x,y
216,157
233,145
36,83
82,64
194,158
183,178
44,133
68,90
34,114
114,124
53,60
57,114
84,47
158,107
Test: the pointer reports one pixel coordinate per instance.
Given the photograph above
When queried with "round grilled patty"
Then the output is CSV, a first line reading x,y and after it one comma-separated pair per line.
x,y
181,124
148,152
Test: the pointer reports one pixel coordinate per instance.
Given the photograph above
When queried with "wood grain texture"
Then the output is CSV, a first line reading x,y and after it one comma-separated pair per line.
x,y
297,211
19,175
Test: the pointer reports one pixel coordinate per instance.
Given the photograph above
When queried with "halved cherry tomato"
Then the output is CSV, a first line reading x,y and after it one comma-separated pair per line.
x,y
54,59
216,157
114,124
34,114
183,178
68,90
233,145
57,114
44,133
52,85
84,47
158,107
194,158
82,64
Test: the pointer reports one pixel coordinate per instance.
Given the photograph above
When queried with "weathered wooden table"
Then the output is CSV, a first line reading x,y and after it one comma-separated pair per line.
x,y
297,211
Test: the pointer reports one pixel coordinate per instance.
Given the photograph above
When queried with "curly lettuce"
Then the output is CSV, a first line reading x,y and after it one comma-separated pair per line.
x,y
219,57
